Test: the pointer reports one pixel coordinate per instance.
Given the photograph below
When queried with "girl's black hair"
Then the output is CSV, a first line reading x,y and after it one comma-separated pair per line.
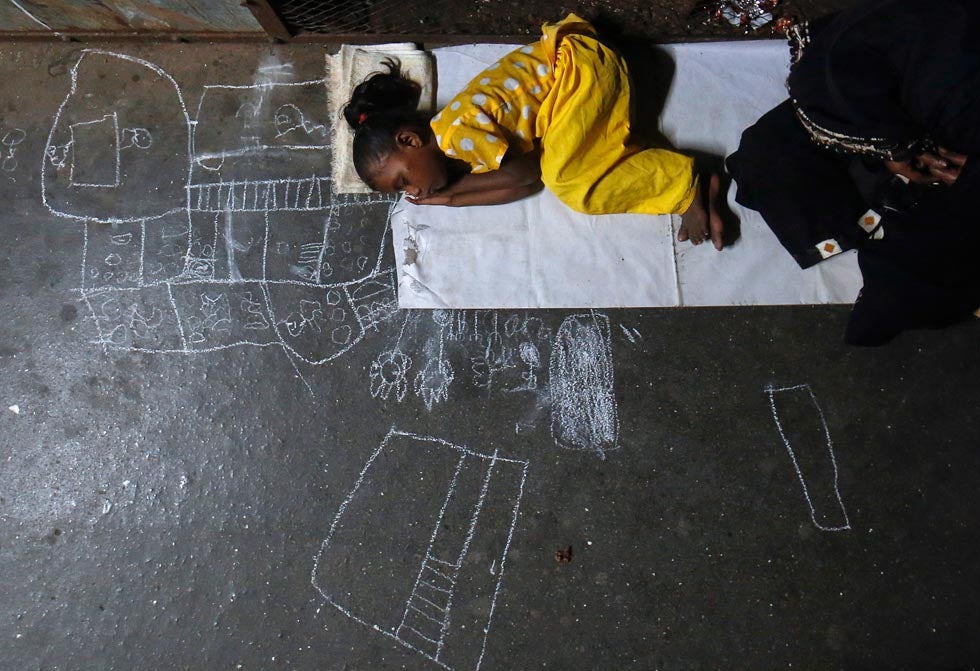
x,y
378,108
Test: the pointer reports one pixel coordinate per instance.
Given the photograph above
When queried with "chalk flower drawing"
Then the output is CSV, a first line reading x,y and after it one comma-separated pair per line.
x,y
389,374
432,382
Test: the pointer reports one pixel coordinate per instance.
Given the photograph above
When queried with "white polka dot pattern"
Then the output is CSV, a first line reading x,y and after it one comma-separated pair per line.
x,y
498,110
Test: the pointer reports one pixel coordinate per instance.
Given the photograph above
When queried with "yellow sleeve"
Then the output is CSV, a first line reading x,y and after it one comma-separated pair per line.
x,y
464,131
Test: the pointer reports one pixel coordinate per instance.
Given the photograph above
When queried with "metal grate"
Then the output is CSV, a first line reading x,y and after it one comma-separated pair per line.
x,y
391,17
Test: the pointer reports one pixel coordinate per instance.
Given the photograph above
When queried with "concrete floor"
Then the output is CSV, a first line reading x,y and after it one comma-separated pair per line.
x,y
216,457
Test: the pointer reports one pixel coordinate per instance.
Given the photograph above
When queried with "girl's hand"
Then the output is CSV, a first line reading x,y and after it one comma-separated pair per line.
x,y
437,198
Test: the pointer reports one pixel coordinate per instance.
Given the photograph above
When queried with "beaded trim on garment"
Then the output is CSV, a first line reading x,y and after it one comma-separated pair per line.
x,y
876,147
798,36
799,39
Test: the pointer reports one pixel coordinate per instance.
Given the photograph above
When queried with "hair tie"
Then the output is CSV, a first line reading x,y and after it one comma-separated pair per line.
x,y
361,119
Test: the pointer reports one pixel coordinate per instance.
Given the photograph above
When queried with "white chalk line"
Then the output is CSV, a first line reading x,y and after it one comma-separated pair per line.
x,y
29,15
73,89
503,562
360,480
432,539
466,547
74,144
771,391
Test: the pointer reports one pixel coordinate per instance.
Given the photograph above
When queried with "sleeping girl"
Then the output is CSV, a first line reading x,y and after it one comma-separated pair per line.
x,y
551,114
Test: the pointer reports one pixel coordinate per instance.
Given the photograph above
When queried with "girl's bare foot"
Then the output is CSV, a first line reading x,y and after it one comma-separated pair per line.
x,y
702,220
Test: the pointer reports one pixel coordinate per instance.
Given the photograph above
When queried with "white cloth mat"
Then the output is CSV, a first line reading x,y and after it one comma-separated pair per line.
x,y
537,253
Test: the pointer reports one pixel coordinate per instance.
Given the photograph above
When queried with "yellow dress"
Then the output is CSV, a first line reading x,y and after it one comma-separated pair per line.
x,y
572,93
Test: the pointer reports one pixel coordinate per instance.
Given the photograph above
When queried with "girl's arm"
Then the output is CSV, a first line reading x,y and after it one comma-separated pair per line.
x,y
517,178
484,197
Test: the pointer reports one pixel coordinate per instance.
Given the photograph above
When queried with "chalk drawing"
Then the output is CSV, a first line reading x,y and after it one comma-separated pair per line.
x,y
584,411
278,68
94,123
252,248
140,138
268,117
389,371
508,352
33,18
213,245
631,334
289,117
531,359
801,423
422,531
9,142
432,383
94,136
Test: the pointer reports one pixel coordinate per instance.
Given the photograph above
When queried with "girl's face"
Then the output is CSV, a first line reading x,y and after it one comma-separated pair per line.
x,y
417,167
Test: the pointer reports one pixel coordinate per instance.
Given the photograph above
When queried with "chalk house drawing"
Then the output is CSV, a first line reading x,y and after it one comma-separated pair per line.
x,y
417,550
803,429
224,231
571,370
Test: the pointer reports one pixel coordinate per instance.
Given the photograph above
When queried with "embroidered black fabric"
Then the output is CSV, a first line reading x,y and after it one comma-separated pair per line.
x,y
887,79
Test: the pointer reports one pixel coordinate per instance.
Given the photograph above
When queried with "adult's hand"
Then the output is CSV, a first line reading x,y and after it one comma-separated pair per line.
x,y
942,167
946,167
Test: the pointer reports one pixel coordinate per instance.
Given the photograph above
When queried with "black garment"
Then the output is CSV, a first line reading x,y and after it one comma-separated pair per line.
x,y
886,79
895,75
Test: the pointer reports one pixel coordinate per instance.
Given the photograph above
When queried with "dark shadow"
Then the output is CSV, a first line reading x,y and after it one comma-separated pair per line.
x,y
651,75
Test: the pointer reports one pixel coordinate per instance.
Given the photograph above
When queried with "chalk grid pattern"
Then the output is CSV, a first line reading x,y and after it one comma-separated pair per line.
x,y
205,255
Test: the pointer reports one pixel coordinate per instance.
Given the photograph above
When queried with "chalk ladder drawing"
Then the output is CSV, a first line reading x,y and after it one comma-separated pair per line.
x,y
205,254
801,423
584,411
418,548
